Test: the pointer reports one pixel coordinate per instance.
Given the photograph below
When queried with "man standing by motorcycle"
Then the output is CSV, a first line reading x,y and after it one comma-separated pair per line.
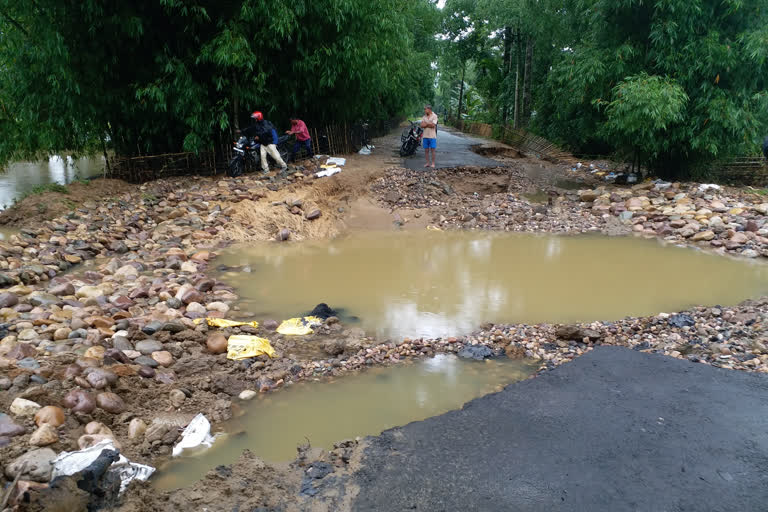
x,y
429,139
263,131
299,129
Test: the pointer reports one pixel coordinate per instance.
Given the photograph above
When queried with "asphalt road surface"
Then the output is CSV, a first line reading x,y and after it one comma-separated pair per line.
x,y
614,430
452,151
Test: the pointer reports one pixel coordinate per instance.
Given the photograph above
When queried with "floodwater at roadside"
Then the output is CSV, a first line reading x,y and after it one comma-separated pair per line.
x,y
357,405
437,284
21,177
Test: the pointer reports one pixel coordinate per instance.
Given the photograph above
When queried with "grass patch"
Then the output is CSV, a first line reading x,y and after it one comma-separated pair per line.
x,y
762,192
42,208
42,189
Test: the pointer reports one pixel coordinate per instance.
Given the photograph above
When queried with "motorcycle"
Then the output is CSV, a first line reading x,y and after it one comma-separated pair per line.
x,y
411,140
248,153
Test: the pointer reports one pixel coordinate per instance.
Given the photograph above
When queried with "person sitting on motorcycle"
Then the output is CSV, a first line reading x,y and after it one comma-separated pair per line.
x,y
299,129
263,131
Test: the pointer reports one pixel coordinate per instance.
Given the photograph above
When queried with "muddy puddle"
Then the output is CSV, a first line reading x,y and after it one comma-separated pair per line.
x,y
6,232
542,196
358,405
437,284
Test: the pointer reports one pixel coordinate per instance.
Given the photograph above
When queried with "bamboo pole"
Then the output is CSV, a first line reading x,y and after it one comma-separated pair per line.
x,y
328,130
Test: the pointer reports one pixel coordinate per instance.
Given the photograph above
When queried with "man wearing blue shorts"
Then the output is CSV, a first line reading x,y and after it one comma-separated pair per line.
x,y
429,137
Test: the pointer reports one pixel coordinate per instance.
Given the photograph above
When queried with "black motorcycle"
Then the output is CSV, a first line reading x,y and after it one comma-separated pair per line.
x,y
248,154
411,139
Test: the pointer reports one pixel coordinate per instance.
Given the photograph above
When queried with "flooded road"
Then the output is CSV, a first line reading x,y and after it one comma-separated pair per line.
x,y
437,284
357,405
21,177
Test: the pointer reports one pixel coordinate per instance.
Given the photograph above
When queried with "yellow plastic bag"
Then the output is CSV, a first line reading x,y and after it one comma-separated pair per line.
x,y
241,346
299,326
221,322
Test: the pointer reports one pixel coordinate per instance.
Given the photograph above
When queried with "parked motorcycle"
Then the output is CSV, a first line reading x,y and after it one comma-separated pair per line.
x,y
248,153
411,139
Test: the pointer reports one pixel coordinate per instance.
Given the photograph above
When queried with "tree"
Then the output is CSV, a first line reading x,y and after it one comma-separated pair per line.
x,y
714,50
151,77
643,111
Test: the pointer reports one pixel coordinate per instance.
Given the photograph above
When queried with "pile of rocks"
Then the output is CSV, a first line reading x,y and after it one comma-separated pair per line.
x,y
400,187
735,338
102,349
707,215
725,220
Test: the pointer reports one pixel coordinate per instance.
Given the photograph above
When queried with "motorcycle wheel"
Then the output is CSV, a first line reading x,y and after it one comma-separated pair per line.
x,y
406,149
236,167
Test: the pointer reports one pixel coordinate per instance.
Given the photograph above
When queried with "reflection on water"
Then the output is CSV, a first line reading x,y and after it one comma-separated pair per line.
x,y
21,177
441,284
355,405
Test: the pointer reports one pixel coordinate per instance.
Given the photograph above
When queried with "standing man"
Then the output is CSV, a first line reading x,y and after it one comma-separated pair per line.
x,y
265,133
429,138
299,129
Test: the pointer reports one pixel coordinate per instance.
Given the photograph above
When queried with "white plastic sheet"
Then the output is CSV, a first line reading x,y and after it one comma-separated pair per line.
x,y
196,435
336,160
69,463
328,172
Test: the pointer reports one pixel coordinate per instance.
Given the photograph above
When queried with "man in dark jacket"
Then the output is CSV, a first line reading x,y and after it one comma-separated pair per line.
x,y
263,131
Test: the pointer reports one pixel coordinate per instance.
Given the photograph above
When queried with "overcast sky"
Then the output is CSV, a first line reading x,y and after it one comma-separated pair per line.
x,y
441,3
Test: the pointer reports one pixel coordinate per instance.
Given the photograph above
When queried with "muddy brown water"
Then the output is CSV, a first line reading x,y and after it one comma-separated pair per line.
x,y
437,284
357,405
21,177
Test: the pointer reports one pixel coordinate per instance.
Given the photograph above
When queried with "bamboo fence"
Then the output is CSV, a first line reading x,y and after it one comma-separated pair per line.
x,y
334,139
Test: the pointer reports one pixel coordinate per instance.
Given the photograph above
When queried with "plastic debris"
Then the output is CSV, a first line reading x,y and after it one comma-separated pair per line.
x,y
196,435
243,346
708,186
341,162
364,151
299,326
69,463
327,172
221,322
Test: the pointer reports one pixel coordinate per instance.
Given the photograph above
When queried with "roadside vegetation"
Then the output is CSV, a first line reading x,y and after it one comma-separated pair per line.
x,y
181,75
674,85
671,85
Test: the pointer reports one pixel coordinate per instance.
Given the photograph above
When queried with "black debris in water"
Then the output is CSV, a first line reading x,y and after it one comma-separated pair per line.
x,y
477,352
323,311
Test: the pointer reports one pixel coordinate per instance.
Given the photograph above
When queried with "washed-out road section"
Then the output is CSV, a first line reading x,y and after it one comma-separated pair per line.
x,y
452,151
613,430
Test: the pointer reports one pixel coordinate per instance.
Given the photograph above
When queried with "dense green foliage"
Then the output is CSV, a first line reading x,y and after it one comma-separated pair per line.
x,y
676,83
170,75
671,83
